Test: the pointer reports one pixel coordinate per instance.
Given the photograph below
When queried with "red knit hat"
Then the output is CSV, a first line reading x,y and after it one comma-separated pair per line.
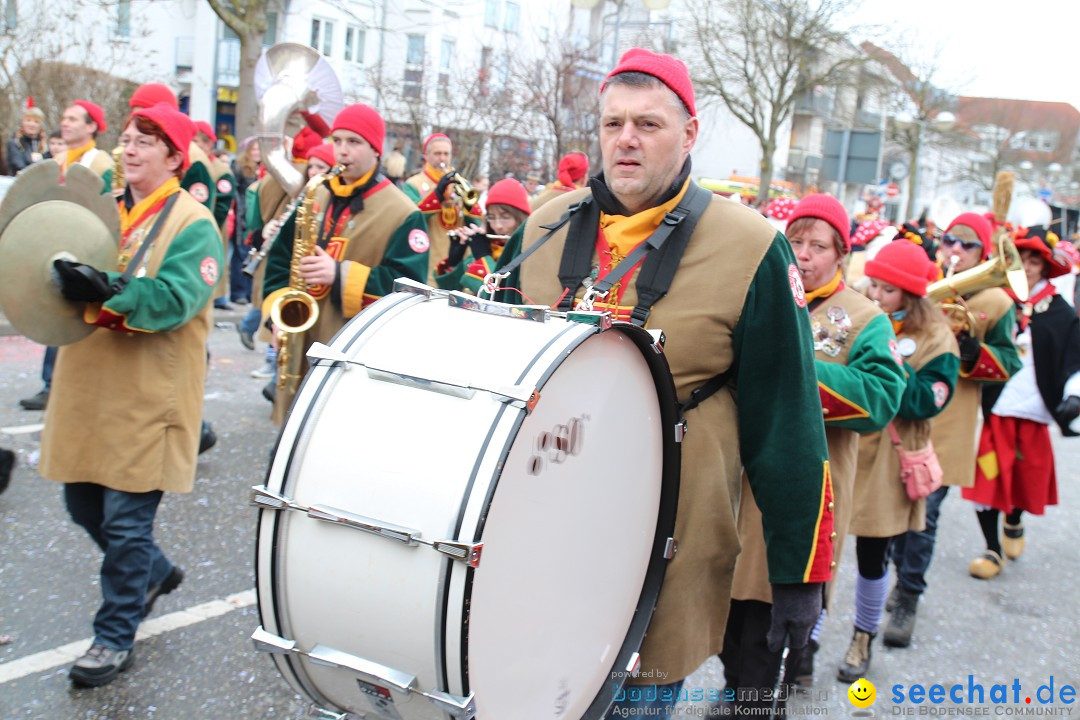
x,y
365,122
904,264
1044,242
573,167
667,69
151,94
509,192
201,126
95,112
304,141
827,208
435,136
323,151
177,126
979,224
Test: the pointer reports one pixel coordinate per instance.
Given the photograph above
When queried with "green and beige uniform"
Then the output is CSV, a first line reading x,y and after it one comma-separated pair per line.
x,y
96,159
420,188
736,277
224,191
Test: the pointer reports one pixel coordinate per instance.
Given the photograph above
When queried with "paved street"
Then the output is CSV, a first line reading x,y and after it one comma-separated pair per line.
x,y
1023,625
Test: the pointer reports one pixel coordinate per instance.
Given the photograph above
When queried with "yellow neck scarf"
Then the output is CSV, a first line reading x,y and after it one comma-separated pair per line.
x,y
74,156
436,175
623,233
340,189
825,290
130,218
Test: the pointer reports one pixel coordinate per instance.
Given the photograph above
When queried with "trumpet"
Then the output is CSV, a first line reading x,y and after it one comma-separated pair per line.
x,y
462,188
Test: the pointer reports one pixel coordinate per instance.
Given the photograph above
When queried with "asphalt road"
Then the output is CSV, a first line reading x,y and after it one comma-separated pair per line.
x,y
199,662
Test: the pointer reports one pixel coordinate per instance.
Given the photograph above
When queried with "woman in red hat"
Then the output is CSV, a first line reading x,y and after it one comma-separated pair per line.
x,y
1015,469
124,424
882,510
507,209
573,173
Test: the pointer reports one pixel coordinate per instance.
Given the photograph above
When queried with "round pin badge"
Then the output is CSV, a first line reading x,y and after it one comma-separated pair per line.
x,y
906,346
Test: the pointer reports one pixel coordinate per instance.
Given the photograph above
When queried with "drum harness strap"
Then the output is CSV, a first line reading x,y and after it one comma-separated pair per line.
x,y
121,282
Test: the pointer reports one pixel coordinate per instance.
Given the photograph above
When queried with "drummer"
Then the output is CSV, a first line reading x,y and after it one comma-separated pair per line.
x,y
120,431
735,276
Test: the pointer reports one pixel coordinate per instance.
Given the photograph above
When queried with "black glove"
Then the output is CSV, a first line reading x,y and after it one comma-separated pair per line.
x,y
795,610
457,251
970,348
444,183
480,245
83,283
1067,411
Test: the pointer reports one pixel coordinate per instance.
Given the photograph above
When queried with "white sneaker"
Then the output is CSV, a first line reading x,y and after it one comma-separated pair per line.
x,y
268,370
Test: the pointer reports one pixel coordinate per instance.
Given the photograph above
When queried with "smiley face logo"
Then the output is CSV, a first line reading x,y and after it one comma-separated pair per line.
x,y
862,693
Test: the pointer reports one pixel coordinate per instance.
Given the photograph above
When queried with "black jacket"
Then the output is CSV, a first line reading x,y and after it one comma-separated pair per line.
x,y
19,149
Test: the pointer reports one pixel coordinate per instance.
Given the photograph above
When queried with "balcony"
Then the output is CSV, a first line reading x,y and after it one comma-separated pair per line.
x,y
228,62
815,102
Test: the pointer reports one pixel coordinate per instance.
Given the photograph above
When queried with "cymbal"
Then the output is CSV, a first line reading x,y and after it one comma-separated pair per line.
x,y
42,220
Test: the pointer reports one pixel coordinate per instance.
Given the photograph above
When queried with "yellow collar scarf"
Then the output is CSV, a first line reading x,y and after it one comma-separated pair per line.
x,y
825,290
74,156
132,217
623,233
340,189
434,174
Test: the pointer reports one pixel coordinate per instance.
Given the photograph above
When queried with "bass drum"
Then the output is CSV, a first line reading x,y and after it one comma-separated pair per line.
x,y
468,513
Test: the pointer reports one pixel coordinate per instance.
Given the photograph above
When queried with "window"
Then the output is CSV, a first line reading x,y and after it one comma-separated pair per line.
x,y
510,21
415,53
354,44
446,57
123,18
491,13
485,70
322,36
271,29
414,68
10,17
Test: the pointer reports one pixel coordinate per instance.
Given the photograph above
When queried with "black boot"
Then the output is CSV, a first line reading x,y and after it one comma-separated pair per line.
x,y
804,673
902,621
857,659
207,438
7,464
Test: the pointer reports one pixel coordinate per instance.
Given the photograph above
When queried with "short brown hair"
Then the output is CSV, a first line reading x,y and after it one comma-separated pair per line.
x,y
148,127
804,224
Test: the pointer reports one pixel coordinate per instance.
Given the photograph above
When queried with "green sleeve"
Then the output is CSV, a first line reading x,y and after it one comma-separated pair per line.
x,y
253,221
280,256
781,433
412,192
476,272
196,174
453,280
864,394
930,388
999,340
106,179
223,200
399,260
180,290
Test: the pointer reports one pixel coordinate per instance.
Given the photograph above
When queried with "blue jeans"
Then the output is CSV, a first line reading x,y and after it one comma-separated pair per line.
x,y
912,551
239,283
633,699
47,366
250,323
122,525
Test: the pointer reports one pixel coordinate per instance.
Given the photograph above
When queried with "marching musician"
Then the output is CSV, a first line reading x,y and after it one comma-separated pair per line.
x,y
735,276
430,190
988,358
122,429
573,172
79,126
860,384
224,183
369,234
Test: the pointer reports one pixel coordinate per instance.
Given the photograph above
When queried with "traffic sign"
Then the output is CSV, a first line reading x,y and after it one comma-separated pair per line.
x,y
892,190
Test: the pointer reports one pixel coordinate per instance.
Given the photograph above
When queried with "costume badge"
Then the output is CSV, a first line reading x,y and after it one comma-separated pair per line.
x,y
208,268
200,192
906,346
418,240
224,186
941,393
795,280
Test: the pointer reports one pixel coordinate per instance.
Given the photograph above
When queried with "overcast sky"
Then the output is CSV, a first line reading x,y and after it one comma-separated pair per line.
x,y
1028,50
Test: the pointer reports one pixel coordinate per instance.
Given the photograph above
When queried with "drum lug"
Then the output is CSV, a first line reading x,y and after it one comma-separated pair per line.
x,y
317,713
416,288
659,339
634,664
681,428
366,669
389,531
468,553
600,319
318,351
463,708
270,643
670,548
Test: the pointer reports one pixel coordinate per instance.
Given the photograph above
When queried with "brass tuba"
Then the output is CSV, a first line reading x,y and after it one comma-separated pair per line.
x,y
1004,269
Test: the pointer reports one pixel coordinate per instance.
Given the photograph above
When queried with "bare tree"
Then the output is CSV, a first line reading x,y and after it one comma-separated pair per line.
x,y
757,58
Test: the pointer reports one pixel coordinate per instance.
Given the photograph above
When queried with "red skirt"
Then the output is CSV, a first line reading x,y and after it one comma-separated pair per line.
x,y
1015,466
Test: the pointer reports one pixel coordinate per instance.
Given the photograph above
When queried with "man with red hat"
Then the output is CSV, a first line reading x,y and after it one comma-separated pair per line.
x,y
443,209
731,275
369,234
573,172
79,126
124,426
988,358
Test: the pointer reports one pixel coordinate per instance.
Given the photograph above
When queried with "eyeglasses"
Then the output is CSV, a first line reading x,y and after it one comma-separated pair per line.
x,y
950,240
142,142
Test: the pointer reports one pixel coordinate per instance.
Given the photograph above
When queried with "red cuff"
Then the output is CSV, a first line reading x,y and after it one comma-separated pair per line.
x,y
820,566
836,407
987,367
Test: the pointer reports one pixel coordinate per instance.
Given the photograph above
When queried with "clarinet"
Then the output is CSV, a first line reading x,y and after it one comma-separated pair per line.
x,y
254,257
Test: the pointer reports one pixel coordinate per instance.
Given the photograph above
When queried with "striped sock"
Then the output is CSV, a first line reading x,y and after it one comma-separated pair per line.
x,y
816,632
870,602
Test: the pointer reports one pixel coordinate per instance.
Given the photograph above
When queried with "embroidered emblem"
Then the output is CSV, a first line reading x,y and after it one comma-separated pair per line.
x,y
895,350
418,240
224,186
795,280
208,268
941,393
200,192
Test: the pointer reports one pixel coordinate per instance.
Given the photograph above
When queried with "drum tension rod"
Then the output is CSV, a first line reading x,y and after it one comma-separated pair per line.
x,y
468,553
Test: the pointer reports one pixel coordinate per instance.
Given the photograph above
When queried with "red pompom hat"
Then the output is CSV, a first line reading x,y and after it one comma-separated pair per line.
x,y
432,137
572,168
509,192
904,264
201,126
151,94
978,223
177,126
324,152
827,208
667,69
365,122
95,112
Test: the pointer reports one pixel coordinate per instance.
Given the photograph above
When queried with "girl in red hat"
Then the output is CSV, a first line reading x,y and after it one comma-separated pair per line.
x,y
1015,469
927,349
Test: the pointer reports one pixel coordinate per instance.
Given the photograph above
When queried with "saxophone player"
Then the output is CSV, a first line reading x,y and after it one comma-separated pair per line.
x,y
367,233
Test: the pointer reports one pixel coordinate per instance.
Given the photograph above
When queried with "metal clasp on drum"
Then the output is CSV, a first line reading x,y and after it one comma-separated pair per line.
x,y
590,297
491,283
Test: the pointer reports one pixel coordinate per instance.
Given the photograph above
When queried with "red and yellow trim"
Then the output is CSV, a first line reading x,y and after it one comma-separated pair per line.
x,y
819,565
352,290
97,314
835,407
987,367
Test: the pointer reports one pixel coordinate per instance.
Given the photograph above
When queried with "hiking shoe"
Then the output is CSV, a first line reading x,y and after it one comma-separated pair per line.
x,y
37,402
268,370
894,597
170,583
100,665
246,339
857,659
902,621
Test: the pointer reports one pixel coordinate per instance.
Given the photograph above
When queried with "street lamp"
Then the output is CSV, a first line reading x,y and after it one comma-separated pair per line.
x,y
942,122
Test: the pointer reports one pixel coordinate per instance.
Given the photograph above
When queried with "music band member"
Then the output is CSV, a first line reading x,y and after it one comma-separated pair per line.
x,y
224,192
860,384
121,430
988,357
573,173
430,190
369,233
735,276
1015,471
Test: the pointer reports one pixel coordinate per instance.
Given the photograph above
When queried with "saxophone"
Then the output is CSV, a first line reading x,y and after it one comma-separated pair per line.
x,y
296,311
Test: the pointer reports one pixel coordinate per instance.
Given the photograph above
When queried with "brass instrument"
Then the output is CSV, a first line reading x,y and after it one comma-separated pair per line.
x,y
462,187
1004,269
118,183
255,257
296,311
